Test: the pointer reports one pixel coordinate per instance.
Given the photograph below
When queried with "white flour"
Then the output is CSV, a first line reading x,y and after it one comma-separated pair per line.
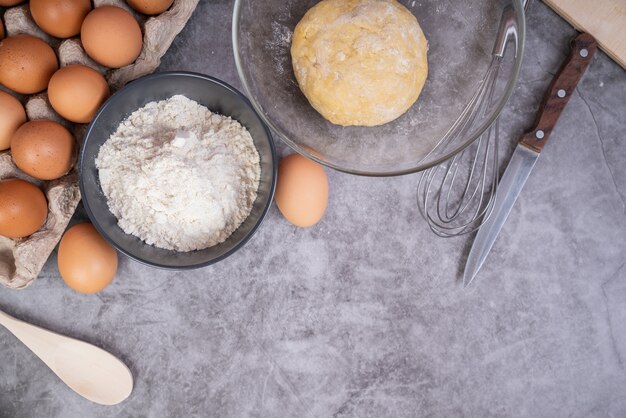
x,y
178,176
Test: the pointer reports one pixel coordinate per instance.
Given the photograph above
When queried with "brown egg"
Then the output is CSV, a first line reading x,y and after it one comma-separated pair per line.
x,y
150,7
111,36
9,3
76,92
86,261
60,18
12,117
301,190
26,64
23,208
43,149
1,29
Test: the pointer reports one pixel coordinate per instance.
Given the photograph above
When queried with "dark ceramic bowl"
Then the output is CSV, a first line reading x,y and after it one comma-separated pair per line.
x,y
219,97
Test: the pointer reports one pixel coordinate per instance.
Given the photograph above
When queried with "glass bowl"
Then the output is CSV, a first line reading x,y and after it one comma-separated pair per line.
x,y
461,37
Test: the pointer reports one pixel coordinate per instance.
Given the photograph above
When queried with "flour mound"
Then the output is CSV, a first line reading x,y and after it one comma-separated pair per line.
x,y
178,176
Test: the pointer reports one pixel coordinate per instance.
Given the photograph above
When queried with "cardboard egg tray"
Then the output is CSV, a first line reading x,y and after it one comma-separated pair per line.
x,y
21,260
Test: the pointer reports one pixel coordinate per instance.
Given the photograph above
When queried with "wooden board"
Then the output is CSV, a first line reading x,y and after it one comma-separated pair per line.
x,y
604,19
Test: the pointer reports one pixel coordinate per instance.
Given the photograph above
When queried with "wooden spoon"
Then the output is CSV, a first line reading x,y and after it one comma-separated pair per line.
x,y
88,370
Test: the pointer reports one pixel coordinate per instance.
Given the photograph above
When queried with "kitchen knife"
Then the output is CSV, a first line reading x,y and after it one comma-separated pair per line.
x,y
528,149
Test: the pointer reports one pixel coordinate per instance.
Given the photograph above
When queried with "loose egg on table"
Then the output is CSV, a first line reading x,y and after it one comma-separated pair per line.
x,y
76,92
12,117
60,18
87,263
26,64
150,7
111,36
301,190
23,208
43,149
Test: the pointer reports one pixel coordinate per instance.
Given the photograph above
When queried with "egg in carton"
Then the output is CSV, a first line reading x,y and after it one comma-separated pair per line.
x,y
21,260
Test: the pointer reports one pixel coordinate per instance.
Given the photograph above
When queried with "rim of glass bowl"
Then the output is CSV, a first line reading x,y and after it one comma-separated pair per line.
x,y
508,91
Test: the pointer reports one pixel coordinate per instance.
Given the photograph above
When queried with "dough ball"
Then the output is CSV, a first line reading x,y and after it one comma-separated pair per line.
x,y
360,62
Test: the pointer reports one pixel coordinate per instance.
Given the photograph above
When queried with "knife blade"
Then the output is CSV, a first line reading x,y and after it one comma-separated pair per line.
x,y
583,47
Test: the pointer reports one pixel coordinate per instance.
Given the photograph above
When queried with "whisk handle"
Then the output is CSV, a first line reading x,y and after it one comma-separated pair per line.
x,y
583,48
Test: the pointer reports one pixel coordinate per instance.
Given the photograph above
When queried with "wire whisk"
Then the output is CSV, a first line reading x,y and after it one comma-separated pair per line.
x,y
457,196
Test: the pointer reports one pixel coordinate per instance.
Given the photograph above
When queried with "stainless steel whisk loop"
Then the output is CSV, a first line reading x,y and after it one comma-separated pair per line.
x,y
457,196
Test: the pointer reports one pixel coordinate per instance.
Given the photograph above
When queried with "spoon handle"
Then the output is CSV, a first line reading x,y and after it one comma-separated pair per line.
x,y
88,370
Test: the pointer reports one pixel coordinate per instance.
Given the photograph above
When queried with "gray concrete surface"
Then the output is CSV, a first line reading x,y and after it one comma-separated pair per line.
x,y
364,315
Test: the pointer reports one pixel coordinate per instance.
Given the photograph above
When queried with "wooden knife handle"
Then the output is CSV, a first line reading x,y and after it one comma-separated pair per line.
x,y
583,48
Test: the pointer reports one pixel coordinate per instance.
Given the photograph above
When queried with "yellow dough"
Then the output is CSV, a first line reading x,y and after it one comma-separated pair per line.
x,y
360,62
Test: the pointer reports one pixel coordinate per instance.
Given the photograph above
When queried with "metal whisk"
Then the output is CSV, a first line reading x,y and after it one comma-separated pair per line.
x,y
457,196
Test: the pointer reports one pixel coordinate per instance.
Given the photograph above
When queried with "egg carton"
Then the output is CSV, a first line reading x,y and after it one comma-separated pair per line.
x,y
21,260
